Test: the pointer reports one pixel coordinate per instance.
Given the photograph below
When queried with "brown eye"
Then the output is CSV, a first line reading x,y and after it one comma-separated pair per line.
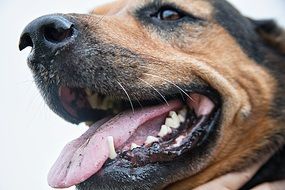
x,y
169,15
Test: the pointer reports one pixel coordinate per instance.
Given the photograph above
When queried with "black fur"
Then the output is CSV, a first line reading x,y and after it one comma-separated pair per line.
x,y
272,171
239,27
97,69
247,33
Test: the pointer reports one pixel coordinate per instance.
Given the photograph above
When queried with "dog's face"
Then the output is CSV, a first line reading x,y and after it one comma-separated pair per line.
x,y
195,74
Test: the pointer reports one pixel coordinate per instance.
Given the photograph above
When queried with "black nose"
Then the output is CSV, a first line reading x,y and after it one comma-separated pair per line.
x,y
47,32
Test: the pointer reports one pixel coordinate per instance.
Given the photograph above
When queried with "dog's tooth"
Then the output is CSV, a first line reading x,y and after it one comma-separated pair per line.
x,y
164,130
174,116
112,152
100,100
104,104
88,92
89,123
183,112
169,130
172,123
93,101
134,145
182,115
109,103
151,139
178,141
181,118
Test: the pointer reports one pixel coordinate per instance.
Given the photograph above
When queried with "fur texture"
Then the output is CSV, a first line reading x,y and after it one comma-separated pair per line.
x,y
214,46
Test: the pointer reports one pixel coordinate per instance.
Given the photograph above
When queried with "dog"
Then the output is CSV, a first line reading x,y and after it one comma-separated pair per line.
x,y
176,93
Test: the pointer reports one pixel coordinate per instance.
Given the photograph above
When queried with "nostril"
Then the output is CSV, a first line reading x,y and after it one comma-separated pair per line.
x,y
47,33
57,34
25,41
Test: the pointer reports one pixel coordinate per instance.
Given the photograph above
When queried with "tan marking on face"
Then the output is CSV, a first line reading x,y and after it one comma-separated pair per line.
x,y
240,136
210,54
200,8
110,8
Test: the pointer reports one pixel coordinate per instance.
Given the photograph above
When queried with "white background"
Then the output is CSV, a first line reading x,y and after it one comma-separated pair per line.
x,y
31,136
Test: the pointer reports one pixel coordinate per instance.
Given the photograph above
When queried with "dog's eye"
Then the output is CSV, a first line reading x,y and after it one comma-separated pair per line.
x,y
169,15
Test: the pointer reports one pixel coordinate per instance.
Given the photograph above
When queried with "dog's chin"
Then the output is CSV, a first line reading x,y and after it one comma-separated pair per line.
x,y
142,144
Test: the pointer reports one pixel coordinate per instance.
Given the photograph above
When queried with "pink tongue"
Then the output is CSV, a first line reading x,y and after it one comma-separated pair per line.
x,y
85,156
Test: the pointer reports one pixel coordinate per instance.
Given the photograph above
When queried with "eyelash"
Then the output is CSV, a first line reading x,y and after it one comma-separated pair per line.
x,y
159,13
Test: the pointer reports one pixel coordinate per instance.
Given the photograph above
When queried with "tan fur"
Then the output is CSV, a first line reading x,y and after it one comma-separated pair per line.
x,y
245,86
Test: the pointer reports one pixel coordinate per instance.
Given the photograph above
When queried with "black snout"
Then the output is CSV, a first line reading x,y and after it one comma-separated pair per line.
x,y
47,33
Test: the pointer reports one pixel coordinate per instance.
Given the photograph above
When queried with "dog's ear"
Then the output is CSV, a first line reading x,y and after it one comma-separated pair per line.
x,y
272,34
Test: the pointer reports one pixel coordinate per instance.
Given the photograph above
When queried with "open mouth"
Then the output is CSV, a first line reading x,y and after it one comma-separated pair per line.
x,y
151,132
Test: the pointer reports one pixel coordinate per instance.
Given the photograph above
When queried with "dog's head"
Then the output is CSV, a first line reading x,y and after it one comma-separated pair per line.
x,y
187,90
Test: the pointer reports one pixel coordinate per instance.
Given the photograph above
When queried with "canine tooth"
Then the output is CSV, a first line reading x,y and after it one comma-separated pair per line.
x,y
134,145
165,130
112,152
172,123
151,139
88,92
93,101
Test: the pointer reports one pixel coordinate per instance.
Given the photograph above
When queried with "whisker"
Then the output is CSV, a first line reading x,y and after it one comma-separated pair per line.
x,y
138,101
155,90
151,69
171,83
131,103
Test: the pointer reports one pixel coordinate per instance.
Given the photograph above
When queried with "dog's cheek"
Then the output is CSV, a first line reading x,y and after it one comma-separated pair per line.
x,y
252,129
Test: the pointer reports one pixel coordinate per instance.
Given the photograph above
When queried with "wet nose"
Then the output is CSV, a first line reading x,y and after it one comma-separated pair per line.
x,y
49,32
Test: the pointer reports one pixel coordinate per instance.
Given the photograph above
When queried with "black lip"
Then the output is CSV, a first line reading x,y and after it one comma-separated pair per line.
x,y
122,174
91,115
163,152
